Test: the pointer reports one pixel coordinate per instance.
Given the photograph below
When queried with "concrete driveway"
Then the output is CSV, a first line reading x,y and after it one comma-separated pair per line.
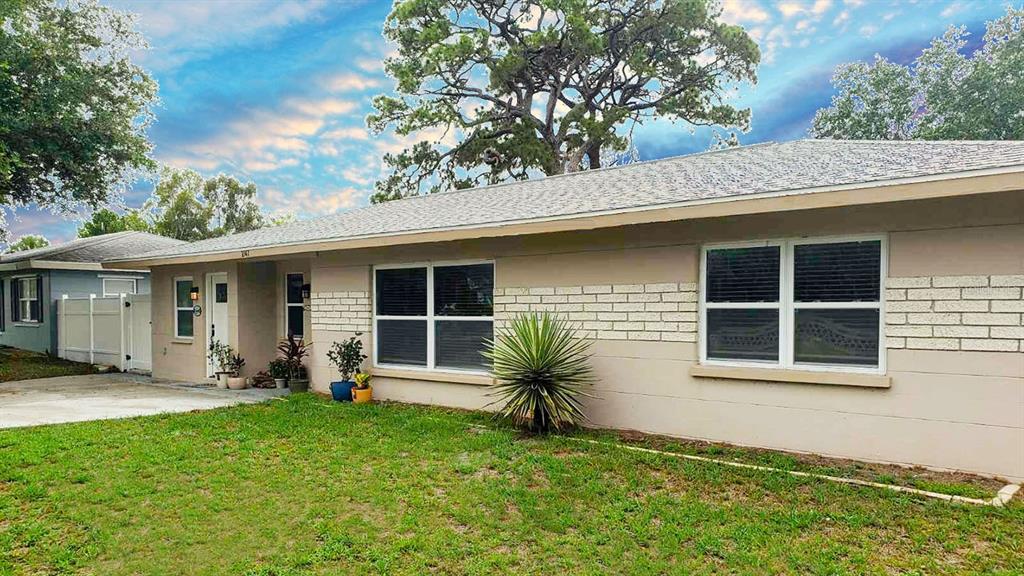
x,y
103,396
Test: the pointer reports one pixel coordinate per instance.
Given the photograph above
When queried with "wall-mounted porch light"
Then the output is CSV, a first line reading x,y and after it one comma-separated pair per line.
x,y
306,290
193,294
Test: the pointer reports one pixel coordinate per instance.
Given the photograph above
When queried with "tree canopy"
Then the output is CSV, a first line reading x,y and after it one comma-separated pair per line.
x,y
945,94
28,242
506,89
106,221
187,207
73,107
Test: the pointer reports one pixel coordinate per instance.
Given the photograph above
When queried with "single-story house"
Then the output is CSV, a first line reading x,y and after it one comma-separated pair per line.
x,y
32,281
846,298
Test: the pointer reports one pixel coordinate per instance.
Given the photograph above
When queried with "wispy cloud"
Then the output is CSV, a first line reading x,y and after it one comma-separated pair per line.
x,y
309,202
350,82
182,30
744,11
266,139
868,30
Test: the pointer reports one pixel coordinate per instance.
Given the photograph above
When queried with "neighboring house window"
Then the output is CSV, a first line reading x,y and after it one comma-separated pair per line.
x,y
2,305
807,304
294,305
118,286
433,316
26,301
183,319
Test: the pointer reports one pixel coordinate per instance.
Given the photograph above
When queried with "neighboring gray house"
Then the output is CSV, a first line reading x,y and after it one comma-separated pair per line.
x,y
31,281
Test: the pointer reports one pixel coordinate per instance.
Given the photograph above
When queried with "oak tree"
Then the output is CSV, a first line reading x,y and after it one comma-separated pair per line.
x,y
506,90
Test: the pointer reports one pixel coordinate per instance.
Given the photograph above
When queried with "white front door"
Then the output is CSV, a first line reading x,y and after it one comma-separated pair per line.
x,y
217,328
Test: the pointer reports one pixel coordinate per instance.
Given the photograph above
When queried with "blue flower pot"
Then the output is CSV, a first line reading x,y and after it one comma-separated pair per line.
x,y
342,391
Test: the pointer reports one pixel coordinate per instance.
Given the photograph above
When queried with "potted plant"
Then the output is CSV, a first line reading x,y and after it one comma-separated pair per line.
x,y
362,393
293,351
220,356
279,371
347,357
235,364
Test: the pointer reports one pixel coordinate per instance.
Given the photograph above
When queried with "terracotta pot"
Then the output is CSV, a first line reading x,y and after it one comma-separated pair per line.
x,y
236,383
362,395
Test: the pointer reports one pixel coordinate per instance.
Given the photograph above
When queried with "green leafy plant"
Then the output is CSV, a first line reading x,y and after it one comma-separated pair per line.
x,y
279,368
221,355
541,368
347,356
235,363
293,351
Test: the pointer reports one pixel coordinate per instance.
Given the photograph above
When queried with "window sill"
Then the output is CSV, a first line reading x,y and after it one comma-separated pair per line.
x,y
183,341
793,376
434,376
27,324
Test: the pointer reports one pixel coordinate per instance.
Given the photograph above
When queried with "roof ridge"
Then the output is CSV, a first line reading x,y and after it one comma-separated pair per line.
x,y
593,170
913,141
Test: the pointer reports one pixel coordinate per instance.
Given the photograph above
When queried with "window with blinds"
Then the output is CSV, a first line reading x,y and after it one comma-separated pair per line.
x,y
803,303
433,316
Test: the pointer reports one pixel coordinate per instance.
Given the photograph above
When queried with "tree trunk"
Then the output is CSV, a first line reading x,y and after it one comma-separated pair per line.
x,y
594,156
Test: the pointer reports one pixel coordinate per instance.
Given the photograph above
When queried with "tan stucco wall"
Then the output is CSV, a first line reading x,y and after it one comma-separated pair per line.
x,y
956,409
255,312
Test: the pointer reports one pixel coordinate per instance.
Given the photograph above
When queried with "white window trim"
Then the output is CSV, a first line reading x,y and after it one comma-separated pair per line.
x,y
34,282
174,301
288,305
429,318
134,281
787,308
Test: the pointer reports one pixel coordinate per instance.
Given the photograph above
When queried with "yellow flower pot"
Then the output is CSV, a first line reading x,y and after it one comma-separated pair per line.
x,y
362,395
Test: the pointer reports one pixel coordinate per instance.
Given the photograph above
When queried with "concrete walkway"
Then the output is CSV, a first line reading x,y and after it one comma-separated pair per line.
x,y
103,396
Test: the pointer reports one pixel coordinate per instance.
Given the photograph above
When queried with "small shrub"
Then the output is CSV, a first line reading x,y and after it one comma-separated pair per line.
x,y
347,356
541,368
278,368
223,356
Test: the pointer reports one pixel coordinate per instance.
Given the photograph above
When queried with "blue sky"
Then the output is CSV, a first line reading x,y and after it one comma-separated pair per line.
x,y
277,91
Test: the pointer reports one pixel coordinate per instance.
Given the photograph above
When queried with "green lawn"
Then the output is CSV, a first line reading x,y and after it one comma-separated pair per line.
x,y
307,486
24,365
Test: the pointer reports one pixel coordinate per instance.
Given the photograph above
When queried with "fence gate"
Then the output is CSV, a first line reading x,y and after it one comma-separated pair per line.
x,y
111,330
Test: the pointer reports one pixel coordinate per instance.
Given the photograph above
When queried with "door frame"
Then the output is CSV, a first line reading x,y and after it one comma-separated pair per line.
x,y
211,300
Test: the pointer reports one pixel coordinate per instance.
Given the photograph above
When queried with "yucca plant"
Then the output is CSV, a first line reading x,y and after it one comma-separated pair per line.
x,y
541,368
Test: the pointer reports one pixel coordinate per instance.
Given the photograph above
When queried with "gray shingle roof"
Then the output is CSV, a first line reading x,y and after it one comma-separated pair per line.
x,y
119,245
789,167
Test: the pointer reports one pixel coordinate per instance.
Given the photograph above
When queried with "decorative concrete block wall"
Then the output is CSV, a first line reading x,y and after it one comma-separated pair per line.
x,y
955,313
340,311
663,311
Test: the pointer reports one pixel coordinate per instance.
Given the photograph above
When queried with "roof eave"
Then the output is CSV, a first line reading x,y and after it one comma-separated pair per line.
x,y
1002,179
59,265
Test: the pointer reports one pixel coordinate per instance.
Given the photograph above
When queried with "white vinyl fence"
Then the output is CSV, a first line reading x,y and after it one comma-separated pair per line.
x,y
111,330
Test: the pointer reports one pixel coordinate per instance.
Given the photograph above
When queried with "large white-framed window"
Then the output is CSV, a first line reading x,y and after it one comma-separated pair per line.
x,y
433,316
294,305
802,303
114,286
26,299
184,321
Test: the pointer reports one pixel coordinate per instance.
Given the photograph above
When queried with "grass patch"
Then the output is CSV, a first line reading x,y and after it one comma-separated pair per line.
x,y
954,484
18,364
307,486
